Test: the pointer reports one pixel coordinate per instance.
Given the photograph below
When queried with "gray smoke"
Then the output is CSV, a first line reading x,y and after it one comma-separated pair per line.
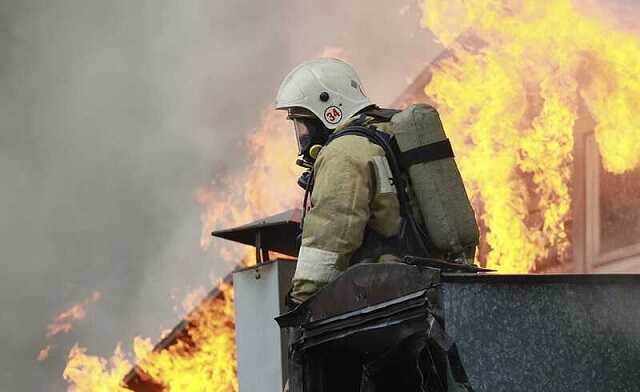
x,y
112,113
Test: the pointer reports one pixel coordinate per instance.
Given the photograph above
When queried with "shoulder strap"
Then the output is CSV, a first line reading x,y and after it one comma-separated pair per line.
x,y
382,115
373,134
391,151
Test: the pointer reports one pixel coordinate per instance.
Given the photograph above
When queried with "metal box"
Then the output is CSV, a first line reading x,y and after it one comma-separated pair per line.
x,y
261,345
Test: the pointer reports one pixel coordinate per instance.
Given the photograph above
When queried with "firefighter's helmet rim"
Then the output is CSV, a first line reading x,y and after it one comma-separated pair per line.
x,y
328,88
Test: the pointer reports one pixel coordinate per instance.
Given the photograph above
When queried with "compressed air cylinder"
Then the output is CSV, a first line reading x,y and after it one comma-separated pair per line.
x,y
439,191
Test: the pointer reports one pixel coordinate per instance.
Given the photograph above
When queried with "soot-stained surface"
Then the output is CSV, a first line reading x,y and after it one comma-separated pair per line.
x,y
546,333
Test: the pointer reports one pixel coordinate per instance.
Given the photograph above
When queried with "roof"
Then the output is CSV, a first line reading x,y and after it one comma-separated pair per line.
x,y
275,233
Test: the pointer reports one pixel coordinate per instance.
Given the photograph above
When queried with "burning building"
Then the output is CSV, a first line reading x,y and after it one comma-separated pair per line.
x,y
512,331
596,210
530,324
540,103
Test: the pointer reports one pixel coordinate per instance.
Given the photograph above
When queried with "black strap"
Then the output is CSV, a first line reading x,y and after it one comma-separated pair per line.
x,y
382,115
388,144
429,153
370,133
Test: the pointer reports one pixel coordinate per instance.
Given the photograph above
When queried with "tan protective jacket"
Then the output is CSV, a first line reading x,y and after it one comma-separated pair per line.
x,y
353,190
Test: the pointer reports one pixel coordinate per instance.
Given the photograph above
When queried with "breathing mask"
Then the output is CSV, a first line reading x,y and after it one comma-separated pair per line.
x,y
311,135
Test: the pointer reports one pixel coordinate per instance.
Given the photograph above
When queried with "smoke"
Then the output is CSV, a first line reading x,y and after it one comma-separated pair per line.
x,y
111,115
622,14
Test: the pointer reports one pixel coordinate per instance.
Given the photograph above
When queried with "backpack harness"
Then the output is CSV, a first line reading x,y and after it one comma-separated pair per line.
x,y
412,237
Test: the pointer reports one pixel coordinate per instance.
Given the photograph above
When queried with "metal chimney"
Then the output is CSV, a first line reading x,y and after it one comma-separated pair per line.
x,y
259,298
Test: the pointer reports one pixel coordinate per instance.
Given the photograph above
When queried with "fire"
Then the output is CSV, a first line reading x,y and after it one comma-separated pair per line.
x,y
206,360
203,359
510,104
193,299
510,97
44,353
90,373
63,323
267,186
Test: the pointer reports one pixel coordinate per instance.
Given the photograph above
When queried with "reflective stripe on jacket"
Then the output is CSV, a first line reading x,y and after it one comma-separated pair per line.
x,y
353,191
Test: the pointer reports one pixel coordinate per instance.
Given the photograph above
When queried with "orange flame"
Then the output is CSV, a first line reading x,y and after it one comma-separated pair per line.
x,y
44,353
510,104
63,323
510,108
203,359
267,186
206,360
193,299
89,373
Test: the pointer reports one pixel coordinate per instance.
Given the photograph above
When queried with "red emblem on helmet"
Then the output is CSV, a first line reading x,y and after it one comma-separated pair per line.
x,y
333,115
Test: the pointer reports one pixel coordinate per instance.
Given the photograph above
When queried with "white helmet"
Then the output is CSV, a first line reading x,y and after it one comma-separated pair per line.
x,y
329,88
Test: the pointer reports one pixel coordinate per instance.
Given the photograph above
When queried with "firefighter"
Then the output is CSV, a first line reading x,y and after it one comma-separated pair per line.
x,y
352,194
